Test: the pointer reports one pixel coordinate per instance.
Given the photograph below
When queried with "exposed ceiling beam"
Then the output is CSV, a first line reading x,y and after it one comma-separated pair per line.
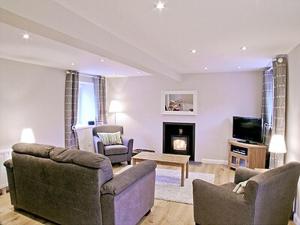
x,y
68,28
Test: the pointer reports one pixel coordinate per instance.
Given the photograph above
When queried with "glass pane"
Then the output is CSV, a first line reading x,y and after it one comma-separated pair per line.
x,y
242,163
233,160
86,103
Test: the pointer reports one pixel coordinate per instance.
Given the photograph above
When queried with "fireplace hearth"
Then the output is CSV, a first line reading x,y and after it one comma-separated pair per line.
x,y
179,138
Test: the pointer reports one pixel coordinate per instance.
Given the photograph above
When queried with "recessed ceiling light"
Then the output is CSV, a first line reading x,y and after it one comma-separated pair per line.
x,y
239,67
194,51
244,48
160,5
205,68
26,36
102,60
72,64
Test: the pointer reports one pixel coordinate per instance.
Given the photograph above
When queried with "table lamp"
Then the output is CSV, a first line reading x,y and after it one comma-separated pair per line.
x,y
27,136
115,107
277,146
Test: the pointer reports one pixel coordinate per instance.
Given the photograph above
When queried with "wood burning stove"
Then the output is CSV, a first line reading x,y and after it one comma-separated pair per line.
x,y
179,138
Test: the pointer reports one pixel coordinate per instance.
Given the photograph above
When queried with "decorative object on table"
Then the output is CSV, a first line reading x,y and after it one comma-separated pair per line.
x,y
27,136
115,107
57,194
115,152
179,102
278,147
265,196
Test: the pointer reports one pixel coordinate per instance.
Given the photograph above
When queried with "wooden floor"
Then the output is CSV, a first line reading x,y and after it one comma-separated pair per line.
x,y
163,212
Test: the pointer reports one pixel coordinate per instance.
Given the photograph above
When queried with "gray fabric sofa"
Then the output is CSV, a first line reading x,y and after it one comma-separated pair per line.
x,y
116,153
77,188
267,199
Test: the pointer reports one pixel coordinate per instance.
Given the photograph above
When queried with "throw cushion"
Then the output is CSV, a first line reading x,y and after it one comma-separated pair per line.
x,y
110,138
240,187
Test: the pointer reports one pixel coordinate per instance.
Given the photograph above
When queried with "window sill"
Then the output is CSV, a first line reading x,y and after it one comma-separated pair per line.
x,y
81,127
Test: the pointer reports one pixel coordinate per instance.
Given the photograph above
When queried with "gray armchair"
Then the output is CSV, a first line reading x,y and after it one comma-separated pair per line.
x,y
116,153
78,187
267,199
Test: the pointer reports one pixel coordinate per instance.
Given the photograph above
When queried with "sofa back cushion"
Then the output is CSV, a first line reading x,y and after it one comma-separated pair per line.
x,y
107,129
38,150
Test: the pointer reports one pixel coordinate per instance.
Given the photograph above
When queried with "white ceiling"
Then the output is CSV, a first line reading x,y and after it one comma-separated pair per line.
x,y
135,33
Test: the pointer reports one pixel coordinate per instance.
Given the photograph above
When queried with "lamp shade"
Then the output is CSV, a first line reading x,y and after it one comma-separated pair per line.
x,y
115,106
277,144
27,136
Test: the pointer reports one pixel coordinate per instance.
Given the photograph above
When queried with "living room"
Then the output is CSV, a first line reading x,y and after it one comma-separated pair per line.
x,y
128,65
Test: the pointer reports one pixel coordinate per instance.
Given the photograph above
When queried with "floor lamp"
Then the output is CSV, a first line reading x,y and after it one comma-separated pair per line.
x,y
115,107
277,146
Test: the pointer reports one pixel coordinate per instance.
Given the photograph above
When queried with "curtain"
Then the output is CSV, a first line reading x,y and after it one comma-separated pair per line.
x,y
71,107
100,99
280,73
280,68
267,104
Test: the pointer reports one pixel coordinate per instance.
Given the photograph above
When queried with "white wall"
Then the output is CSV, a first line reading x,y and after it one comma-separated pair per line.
x,y
293,115
31,96
220,96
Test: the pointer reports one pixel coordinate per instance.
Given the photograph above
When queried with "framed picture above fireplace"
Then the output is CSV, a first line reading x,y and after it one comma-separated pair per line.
x,y
179,102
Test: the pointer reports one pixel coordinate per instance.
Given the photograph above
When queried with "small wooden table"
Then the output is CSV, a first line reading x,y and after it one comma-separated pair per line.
x,y
181,161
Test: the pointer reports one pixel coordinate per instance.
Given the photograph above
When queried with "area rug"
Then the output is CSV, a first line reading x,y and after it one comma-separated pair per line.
x,y
167,184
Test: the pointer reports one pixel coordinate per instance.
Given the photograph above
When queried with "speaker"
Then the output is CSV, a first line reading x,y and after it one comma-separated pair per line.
x,y
91,123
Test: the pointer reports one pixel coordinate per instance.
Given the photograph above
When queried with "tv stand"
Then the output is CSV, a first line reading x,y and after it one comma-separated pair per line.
x,y
248,155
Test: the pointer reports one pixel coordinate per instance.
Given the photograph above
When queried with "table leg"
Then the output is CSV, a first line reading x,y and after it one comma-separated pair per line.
x,y
187,170
182,175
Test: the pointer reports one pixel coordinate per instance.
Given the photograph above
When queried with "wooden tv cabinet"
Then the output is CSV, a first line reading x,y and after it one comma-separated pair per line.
x,y
246,155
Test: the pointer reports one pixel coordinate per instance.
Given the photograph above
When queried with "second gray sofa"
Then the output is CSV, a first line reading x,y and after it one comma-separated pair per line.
x,y
77,187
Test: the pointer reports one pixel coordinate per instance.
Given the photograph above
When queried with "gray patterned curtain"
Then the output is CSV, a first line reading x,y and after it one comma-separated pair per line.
x,y
280,73
267,104
71,107
100,99
280,68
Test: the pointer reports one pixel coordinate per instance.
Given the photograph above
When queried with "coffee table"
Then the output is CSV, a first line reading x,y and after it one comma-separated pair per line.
x,y
181,161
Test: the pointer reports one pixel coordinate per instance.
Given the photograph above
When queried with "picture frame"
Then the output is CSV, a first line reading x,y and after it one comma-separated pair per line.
x,y
179,102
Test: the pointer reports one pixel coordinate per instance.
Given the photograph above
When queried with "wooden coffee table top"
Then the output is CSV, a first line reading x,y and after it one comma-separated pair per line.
x,y
163,158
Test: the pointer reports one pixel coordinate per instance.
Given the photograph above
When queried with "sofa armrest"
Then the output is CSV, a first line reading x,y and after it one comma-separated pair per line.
x,y
243,174
216,205
129,143
99,146
122,181
11,181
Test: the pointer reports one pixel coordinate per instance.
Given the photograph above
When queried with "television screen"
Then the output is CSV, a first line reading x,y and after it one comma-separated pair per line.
x,y
248,129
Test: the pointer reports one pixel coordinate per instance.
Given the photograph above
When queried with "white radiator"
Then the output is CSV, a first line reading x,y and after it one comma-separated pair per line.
x,y
5,154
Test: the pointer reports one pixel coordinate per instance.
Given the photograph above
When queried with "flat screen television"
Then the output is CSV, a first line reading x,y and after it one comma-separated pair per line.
x,y
247,129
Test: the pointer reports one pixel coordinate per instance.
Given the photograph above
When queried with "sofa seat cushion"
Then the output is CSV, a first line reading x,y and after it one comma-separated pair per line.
x,y
115,149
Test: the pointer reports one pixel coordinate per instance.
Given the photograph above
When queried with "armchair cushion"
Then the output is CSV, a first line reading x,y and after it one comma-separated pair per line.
x,y
111,138
115,149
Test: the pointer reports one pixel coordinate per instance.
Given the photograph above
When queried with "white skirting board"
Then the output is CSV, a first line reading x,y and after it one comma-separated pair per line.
x,y
215,161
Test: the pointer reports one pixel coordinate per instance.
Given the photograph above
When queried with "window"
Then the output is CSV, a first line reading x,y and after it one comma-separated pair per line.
x,y
86,103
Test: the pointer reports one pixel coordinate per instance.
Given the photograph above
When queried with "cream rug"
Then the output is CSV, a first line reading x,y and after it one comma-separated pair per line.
x,y
167,184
